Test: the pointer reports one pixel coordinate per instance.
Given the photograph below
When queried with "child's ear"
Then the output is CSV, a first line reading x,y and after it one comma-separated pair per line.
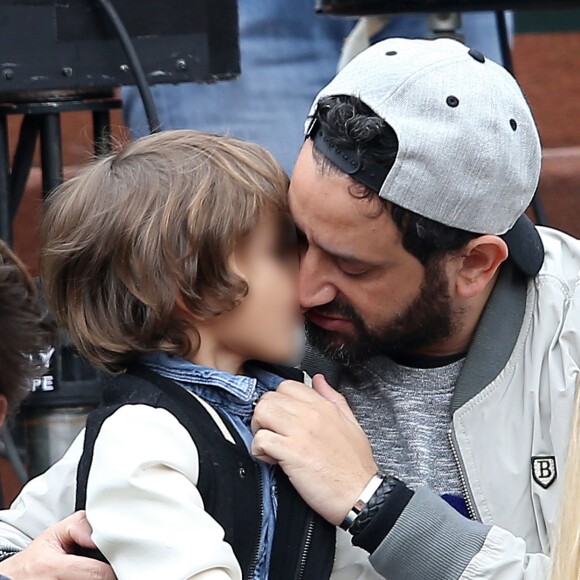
x,y
240,263
181,311
236,263
480,261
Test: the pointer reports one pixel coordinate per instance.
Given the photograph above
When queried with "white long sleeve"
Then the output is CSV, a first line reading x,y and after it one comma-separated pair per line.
x,y
44,501
147,515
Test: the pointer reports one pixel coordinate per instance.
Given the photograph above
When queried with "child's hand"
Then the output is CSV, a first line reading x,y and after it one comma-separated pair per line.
x,y
313,435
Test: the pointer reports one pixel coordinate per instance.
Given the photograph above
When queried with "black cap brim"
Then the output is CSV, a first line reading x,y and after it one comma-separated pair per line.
x,y
525,246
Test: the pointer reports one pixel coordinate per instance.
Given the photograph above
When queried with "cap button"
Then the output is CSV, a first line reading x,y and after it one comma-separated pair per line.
x,y
452,101
476,55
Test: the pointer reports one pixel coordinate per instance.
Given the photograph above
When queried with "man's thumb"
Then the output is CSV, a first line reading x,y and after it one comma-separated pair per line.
x,y
323,388
78,530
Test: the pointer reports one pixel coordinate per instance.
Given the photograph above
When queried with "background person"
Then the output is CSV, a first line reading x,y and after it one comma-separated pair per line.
x,y
22,336
566,560
287,53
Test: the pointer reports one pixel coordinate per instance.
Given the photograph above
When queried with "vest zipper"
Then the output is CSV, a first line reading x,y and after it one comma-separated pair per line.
x,y
462,476
305,547
252,569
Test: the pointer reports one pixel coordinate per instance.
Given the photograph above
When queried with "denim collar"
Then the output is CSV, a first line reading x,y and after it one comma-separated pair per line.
x,y
237,392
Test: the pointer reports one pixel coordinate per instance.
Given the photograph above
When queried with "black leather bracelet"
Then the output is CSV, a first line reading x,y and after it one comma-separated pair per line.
x,y
374,505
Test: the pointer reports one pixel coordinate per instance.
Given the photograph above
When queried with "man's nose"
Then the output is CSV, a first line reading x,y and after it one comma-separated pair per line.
x,y
314,285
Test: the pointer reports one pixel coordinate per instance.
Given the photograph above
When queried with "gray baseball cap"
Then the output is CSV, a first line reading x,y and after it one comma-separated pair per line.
x,y
469,152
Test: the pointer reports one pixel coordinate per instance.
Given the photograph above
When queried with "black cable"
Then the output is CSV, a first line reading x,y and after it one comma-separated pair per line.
x,y
504,41
135,64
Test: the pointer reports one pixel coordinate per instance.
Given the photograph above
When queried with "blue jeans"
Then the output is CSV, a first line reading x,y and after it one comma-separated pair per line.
x,y
288,54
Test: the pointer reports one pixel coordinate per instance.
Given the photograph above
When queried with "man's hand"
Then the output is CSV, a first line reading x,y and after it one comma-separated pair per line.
x,y
314,437
49,556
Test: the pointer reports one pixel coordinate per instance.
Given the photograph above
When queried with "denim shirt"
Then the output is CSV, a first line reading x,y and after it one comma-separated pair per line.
x,y
235,396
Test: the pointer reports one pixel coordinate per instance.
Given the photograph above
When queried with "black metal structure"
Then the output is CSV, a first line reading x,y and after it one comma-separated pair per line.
x,y
42,122
60,57
73,45
368,7
76,52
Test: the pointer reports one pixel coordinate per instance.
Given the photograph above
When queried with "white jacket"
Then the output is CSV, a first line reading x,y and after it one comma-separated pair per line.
x,y
512,411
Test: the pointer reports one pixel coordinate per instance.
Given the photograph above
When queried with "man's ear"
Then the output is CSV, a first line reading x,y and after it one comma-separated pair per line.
x,y
3,409
480,261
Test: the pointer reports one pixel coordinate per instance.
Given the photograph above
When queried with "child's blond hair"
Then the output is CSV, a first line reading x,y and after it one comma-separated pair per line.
x,y
158,221
566,552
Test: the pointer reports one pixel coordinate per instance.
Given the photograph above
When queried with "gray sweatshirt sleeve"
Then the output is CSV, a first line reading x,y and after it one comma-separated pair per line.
x,y
430,539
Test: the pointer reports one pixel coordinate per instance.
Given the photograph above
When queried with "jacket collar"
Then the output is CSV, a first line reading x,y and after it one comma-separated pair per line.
x,y
242,387
260,376
495,337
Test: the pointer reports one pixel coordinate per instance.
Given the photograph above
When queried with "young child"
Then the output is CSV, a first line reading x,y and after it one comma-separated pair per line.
x,y
23,332
172,264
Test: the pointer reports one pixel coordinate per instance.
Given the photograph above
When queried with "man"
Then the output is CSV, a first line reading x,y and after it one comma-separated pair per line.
x,y
446,320
452,322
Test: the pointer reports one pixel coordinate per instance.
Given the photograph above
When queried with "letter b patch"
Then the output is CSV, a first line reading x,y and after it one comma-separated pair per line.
x,y
544,470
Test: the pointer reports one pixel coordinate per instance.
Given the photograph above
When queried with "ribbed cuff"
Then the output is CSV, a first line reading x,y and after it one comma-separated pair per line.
x,y
371,536
429,540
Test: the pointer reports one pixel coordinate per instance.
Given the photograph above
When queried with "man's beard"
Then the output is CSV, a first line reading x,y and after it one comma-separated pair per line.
x,y
429,319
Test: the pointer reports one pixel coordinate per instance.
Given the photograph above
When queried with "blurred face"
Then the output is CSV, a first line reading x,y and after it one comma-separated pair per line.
x,y
268,324
363,293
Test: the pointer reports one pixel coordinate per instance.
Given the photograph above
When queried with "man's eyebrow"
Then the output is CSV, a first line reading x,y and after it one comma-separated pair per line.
x,y
335,254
